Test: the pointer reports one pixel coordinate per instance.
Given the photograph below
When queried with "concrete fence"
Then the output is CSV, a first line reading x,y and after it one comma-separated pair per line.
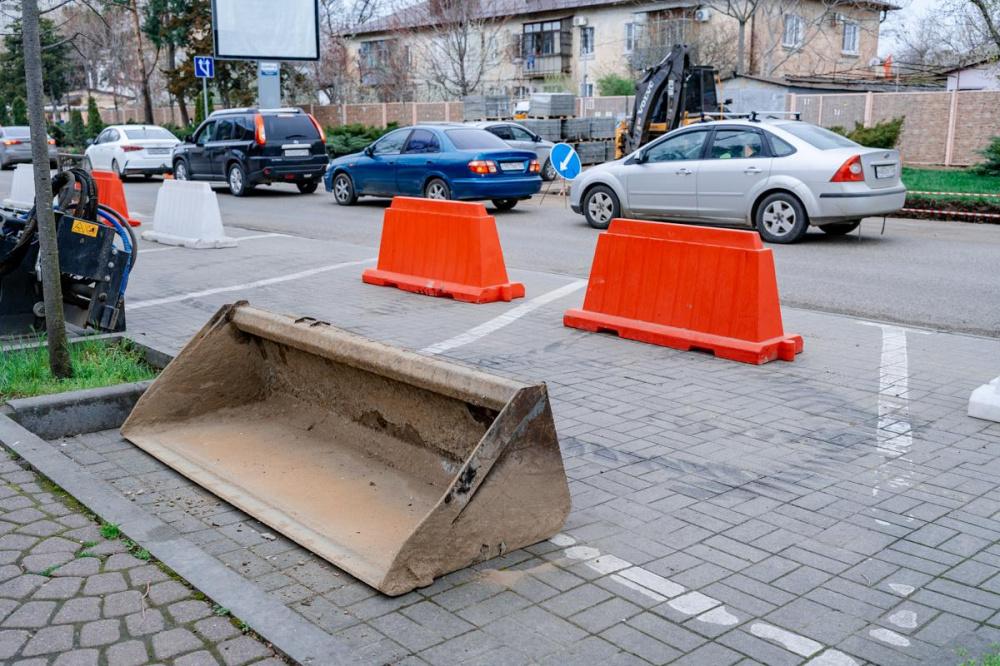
x,y
940,128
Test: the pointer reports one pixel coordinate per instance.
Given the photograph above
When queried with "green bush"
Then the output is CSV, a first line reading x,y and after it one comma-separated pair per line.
x,y
76,132
990,166
4,115
19,111
879,135
95,125
347,139
56,132
613,84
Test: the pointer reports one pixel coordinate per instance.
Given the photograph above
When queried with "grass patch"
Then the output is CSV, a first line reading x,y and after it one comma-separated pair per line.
x,y
951,180
990,659
110,531
25,372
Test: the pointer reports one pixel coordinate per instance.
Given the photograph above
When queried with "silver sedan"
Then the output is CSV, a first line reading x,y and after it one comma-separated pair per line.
x,y
778,176
520,137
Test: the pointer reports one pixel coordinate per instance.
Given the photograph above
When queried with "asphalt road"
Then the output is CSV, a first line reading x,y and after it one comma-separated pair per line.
x,y
941,275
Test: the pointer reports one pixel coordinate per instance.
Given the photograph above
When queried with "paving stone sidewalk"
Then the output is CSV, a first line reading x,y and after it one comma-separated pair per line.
x,y
71,597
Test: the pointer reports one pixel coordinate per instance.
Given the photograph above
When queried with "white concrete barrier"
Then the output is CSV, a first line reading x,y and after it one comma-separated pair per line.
x,y
985,401
22,189
187,214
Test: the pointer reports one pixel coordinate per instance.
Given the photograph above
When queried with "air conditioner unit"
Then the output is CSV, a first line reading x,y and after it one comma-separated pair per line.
x,y
579,21
702,15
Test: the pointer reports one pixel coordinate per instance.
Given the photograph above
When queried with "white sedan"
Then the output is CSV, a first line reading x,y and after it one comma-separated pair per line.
x,y
133,149
778,176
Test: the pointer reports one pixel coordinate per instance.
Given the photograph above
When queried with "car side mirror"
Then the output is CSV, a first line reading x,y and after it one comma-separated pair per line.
x,y
639,158
189,138
537,139
369,151
91,142
727,102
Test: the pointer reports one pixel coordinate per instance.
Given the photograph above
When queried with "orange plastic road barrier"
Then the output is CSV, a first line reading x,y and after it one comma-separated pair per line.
x,y
687,287
168,176
111,193
442,248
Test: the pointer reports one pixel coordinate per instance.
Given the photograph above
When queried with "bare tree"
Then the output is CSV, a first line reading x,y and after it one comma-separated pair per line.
x,y
336,73
743,11
55,320
463,46
989,11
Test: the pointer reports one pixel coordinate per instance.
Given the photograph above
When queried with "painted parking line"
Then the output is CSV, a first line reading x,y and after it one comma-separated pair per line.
x,y
139,305
238,238
504,320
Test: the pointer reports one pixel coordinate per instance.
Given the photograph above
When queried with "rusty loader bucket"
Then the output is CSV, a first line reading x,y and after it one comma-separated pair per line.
x,y
395,467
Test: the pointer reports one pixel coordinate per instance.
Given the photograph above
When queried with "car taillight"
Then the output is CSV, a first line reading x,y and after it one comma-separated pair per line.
x,y
850,171
258,134
482,167
11,142
131,149
534,167
52,142
322,134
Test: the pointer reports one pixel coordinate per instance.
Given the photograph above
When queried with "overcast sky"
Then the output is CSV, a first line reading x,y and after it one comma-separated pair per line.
x,y
911,10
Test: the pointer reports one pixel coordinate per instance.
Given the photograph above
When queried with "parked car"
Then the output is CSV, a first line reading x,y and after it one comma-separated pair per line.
x,y
248,147
15,147
778,176
519,136
439,161
132,149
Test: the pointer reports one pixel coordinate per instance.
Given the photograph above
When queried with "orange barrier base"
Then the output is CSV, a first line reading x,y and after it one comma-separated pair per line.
x,y
111,193
460,292
758,353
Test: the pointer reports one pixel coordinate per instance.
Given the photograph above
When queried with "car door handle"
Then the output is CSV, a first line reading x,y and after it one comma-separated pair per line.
x,y
684,172
752,170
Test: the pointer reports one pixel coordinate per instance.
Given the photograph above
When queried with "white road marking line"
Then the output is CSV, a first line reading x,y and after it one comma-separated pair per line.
x,y
889,637
581,553
139,305
606,564
693,603
239,238
832,658
904,619
562,540
618,578
899,588
650,580
719,616
800,645
506,319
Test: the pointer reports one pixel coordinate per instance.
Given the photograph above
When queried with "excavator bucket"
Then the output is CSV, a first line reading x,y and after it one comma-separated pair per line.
x,y
395,467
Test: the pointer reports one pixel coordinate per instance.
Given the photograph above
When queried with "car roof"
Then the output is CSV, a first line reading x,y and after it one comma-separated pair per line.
x,y
250,109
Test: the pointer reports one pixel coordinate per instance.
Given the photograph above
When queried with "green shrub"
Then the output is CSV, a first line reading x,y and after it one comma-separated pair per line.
x,y
879,135
347,139
19,111
613,84
95,125
76,132
4,115
990,166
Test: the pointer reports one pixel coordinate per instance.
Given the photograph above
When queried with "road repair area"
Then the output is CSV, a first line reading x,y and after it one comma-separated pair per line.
x,y
838,509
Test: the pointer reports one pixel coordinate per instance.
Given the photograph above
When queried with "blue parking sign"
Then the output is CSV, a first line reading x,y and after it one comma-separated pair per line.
x,y
204,67
565,161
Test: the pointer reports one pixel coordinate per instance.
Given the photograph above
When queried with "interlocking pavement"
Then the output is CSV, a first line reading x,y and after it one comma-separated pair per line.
x,y
841,509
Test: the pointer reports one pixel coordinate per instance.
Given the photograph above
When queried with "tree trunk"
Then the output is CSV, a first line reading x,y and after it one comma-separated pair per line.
x,y
147,98
55,321
741,48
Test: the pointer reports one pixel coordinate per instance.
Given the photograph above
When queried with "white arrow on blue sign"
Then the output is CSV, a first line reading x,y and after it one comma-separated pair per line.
x,y
204,67
565,161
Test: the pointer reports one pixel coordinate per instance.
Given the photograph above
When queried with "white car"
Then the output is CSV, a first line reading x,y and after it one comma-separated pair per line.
x,y
778,176
133,149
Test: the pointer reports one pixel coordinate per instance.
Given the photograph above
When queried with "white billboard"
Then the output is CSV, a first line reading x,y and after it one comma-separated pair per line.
x,y
266,29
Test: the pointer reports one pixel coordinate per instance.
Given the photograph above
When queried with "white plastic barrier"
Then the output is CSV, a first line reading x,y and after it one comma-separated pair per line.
x,y
22,189
187,214
985,401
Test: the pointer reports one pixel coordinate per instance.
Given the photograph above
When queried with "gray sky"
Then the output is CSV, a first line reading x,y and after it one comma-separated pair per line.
x,y
910,12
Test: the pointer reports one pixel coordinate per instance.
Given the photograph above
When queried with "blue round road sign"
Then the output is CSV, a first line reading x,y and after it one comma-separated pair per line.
x,y
565,161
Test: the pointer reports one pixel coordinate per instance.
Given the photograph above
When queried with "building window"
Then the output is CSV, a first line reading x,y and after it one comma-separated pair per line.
x,y
851,34
586,41
587,90
629,37
541,39
794,34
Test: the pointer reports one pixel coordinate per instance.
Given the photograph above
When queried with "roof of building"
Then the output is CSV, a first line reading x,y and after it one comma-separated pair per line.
x,y
429,12
847,82
975,62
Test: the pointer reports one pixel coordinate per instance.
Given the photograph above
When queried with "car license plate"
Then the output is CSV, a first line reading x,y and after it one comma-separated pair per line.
x,y
885,170
301,152
158,151
512,166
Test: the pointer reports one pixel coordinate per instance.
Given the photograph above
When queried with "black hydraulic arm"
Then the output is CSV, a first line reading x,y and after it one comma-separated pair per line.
x,y
659,94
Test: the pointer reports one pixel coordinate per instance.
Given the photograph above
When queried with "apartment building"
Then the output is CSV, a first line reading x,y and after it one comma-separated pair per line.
x,y
516,47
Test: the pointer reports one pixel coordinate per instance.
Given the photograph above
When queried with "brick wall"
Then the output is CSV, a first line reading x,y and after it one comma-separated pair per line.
x,y
946,128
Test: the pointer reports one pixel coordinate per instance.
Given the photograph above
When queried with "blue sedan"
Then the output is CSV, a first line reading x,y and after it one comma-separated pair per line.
x,y
446,161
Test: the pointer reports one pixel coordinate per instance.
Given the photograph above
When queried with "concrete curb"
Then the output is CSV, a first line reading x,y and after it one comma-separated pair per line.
x,y
76,412
288,632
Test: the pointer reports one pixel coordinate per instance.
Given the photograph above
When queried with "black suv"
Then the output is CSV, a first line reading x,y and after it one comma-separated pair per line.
x,y
250,147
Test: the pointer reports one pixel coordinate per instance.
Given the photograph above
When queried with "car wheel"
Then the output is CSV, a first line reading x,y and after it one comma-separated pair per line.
x,y
308,187
600,206
437,189
238,181
841,229
181,170
343,190
548,171
119,172
781,219
504,204
4,165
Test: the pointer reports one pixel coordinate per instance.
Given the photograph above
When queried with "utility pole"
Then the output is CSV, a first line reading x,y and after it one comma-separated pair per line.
x,y
55,320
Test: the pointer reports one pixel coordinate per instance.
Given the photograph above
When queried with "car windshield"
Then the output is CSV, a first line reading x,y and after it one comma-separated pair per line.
x,y
817,137
149,133
475,139
290,126
17,132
